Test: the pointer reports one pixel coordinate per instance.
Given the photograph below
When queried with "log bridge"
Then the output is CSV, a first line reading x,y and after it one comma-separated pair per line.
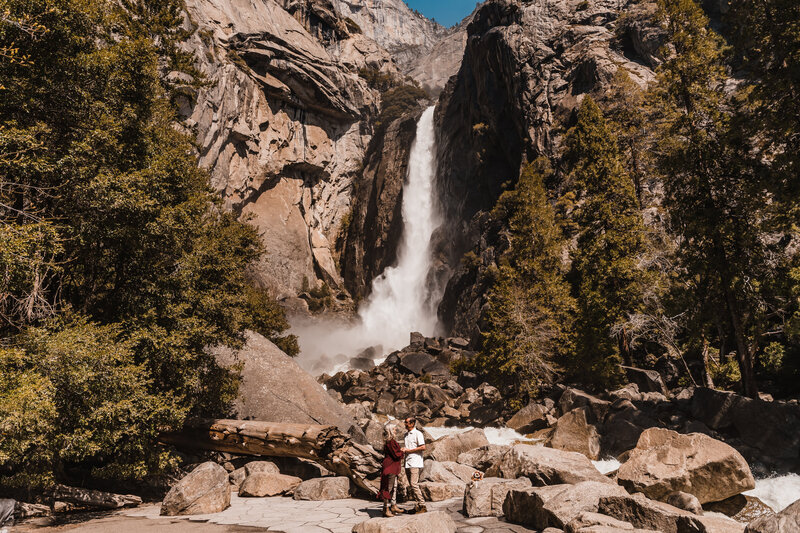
x,y
325,445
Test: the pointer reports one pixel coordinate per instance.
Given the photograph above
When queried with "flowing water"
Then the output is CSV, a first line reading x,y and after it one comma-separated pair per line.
x,y
401,300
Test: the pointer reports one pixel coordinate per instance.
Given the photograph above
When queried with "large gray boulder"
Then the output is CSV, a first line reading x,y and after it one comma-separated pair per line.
x,y
573,433
326,488
648,514
787,521
546,466
433,522
450,447
557,505
486,497
436,492
263,484
530,418
484,457
204,490
275,389
665,462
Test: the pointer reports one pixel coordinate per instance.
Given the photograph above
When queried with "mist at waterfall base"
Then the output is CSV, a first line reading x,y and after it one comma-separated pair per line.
x,y
401,300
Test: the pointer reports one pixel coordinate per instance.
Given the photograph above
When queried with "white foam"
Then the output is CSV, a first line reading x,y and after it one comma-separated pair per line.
x,y
402,300
606,466
778,492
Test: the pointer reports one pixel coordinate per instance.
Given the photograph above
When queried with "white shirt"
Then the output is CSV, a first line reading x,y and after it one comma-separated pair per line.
x,y
414,439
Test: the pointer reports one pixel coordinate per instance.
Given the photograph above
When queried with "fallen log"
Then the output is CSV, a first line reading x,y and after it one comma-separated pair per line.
x,y
325,445
93,498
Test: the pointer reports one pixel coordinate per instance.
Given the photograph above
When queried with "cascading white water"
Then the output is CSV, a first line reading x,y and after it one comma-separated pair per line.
x,y
400,301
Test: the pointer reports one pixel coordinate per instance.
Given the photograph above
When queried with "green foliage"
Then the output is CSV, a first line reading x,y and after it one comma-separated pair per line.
x,y
380,81
527,333
396,102
726,375
118,269
608,282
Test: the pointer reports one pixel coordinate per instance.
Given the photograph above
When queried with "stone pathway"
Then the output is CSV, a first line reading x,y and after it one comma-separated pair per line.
x,y
286,515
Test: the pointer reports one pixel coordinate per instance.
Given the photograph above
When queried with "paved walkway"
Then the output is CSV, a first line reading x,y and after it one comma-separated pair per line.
x,y
286,515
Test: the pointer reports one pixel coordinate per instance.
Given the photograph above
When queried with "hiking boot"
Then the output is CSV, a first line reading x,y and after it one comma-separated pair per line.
x,y
396,510
387,512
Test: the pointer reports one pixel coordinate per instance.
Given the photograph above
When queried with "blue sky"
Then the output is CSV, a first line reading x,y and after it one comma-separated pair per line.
x,y
446,12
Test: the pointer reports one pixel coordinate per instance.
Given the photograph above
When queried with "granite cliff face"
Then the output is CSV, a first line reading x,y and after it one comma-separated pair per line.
x,y
282,125
526,68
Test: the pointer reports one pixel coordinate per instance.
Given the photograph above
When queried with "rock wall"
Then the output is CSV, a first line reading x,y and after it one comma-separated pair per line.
x,y
526,68
282,125
406,34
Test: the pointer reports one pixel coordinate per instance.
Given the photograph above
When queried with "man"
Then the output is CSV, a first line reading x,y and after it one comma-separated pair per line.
x,y
414,445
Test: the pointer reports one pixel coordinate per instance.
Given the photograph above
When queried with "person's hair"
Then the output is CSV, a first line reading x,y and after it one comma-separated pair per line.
x,y
412,420
389,431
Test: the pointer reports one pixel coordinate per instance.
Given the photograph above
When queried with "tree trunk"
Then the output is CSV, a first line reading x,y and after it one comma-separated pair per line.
x,y
325,445
93,498
743,353
708,380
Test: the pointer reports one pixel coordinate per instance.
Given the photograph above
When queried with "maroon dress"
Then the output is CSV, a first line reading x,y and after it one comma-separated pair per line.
x,y
392,460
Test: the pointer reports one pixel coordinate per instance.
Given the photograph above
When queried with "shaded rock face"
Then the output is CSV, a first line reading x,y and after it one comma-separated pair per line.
x,y
526,67
376,224
665,462
787,521
275,389
204,490
281,128
433,70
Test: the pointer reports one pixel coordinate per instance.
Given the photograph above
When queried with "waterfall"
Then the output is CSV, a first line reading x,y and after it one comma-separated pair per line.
x,y
400,301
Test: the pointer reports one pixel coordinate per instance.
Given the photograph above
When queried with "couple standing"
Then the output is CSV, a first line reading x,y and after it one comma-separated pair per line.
x,y
413,446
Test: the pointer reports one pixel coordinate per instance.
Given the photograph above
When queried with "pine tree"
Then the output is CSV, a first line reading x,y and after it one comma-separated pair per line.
x,y
714,193
608,282
527,333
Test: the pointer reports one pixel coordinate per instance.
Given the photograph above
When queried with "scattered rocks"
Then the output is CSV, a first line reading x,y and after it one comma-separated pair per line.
x,y
646,380
557,505
438,522
741,508
263,484
204,490
665,461
327,488
486,497
546,466
530,418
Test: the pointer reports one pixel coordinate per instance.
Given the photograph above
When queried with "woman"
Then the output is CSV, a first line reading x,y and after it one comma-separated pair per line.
x,y
392,463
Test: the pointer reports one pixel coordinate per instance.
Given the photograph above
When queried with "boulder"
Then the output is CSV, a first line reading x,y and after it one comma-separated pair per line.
x,y
432,396
436,521
275,389
204,490
262,484
665,461
485,415
486,497
771,427
362,363
326,488
648,514
589,522
574,434
556,505
445,472
546,466
787,521
450,447
484,457
572,399
629,392
260,466
646,380
741,508
437,492
720,524
530,418
419,363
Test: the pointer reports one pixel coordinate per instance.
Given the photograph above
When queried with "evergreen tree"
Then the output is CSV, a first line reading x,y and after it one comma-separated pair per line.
x,y
528,318
608,283
714,195
118,267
